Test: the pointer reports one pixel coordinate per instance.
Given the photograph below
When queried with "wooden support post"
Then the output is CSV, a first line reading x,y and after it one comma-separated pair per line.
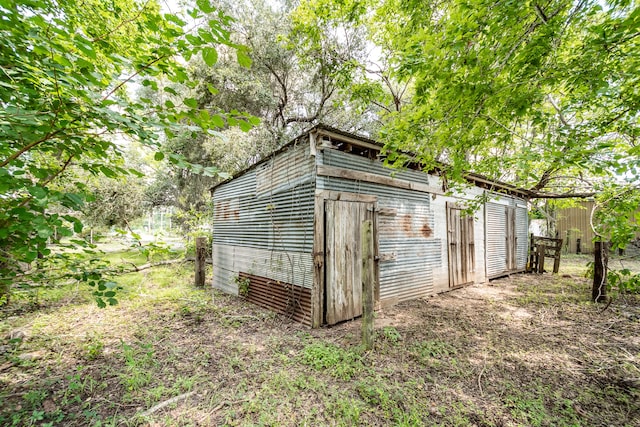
x,y
600,262
556,257
201,255
532,255
540,249
368,287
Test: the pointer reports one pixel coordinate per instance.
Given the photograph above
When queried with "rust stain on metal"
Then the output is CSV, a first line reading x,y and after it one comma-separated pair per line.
x,y
426,230
226,210
407,225
284,298
221,211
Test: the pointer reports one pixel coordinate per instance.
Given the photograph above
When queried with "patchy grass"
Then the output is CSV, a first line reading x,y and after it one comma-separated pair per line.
x,y
526,350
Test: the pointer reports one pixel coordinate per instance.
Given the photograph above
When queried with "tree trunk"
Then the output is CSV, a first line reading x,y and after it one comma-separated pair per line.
x,y
600,263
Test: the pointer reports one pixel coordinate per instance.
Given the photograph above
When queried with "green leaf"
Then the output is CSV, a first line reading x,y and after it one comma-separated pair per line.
x,y
245,126
194,40
205,6
217,120
175,19
159,155
190,102
243,58
212,89
38,192
210,56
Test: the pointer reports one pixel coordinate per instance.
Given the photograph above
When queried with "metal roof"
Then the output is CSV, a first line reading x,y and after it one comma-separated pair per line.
x,y
473,178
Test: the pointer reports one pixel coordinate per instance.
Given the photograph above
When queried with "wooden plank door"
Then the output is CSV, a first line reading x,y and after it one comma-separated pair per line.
x,y
510,237
461,246
343,258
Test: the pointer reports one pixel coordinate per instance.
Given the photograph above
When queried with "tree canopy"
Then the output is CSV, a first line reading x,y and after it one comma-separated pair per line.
x,y
67,69
541,94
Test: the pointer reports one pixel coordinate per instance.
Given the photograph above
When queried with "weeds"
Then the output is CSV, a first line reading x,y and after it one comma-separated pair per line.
x,y
339,363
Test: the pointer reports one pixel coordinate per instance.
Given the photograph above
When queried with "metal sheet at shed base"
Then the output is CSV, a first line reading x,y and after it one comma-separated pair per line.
x,y
283,298
286,267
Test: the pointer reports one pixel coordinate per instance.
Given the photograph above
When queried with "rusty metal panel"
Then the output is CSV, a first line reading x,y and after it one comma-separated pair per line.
x,y
283,298
358,163
284,266
283,221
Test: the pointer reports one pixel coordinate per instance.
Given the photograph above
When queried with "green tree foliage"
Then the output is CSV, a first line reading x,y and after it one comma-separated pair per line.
x,y
289,88
65,69
540,94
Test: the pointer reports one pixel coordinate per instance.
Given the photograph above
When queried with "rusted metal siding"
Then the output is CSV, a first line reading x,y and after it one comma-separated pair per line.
x,y
408,250
352,162
263,222
283,298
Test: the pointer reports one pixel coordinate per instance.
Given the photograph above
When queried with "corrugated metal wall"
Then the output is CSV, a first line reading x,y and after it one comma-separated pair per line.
x,y
408,250
573,224
522,232
496,235
263,222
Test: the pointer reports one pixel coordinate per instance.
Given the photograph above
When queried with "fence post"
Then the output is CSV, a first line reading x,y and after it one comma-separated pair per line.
x,y
367,284
201,256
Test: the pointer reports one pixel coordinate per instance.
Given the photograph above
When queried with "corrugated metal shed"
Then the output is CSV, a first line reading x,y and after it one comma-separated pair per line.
x,y
274,225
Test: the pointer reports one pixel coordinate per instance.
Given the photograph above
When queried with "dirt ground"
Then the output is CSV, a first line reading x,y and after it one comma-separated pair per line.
x,y
522,350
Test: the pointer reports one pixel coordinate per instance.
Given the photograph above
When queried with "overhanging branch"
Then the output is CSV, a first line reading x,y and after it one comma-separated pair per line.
x,y
537,195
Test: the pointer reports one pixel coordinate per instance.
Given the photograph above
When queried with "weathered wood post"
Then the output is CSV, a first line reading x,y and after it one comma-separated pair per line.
x,y
368,279
201,256
532,254
541,249
556,256
600,262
